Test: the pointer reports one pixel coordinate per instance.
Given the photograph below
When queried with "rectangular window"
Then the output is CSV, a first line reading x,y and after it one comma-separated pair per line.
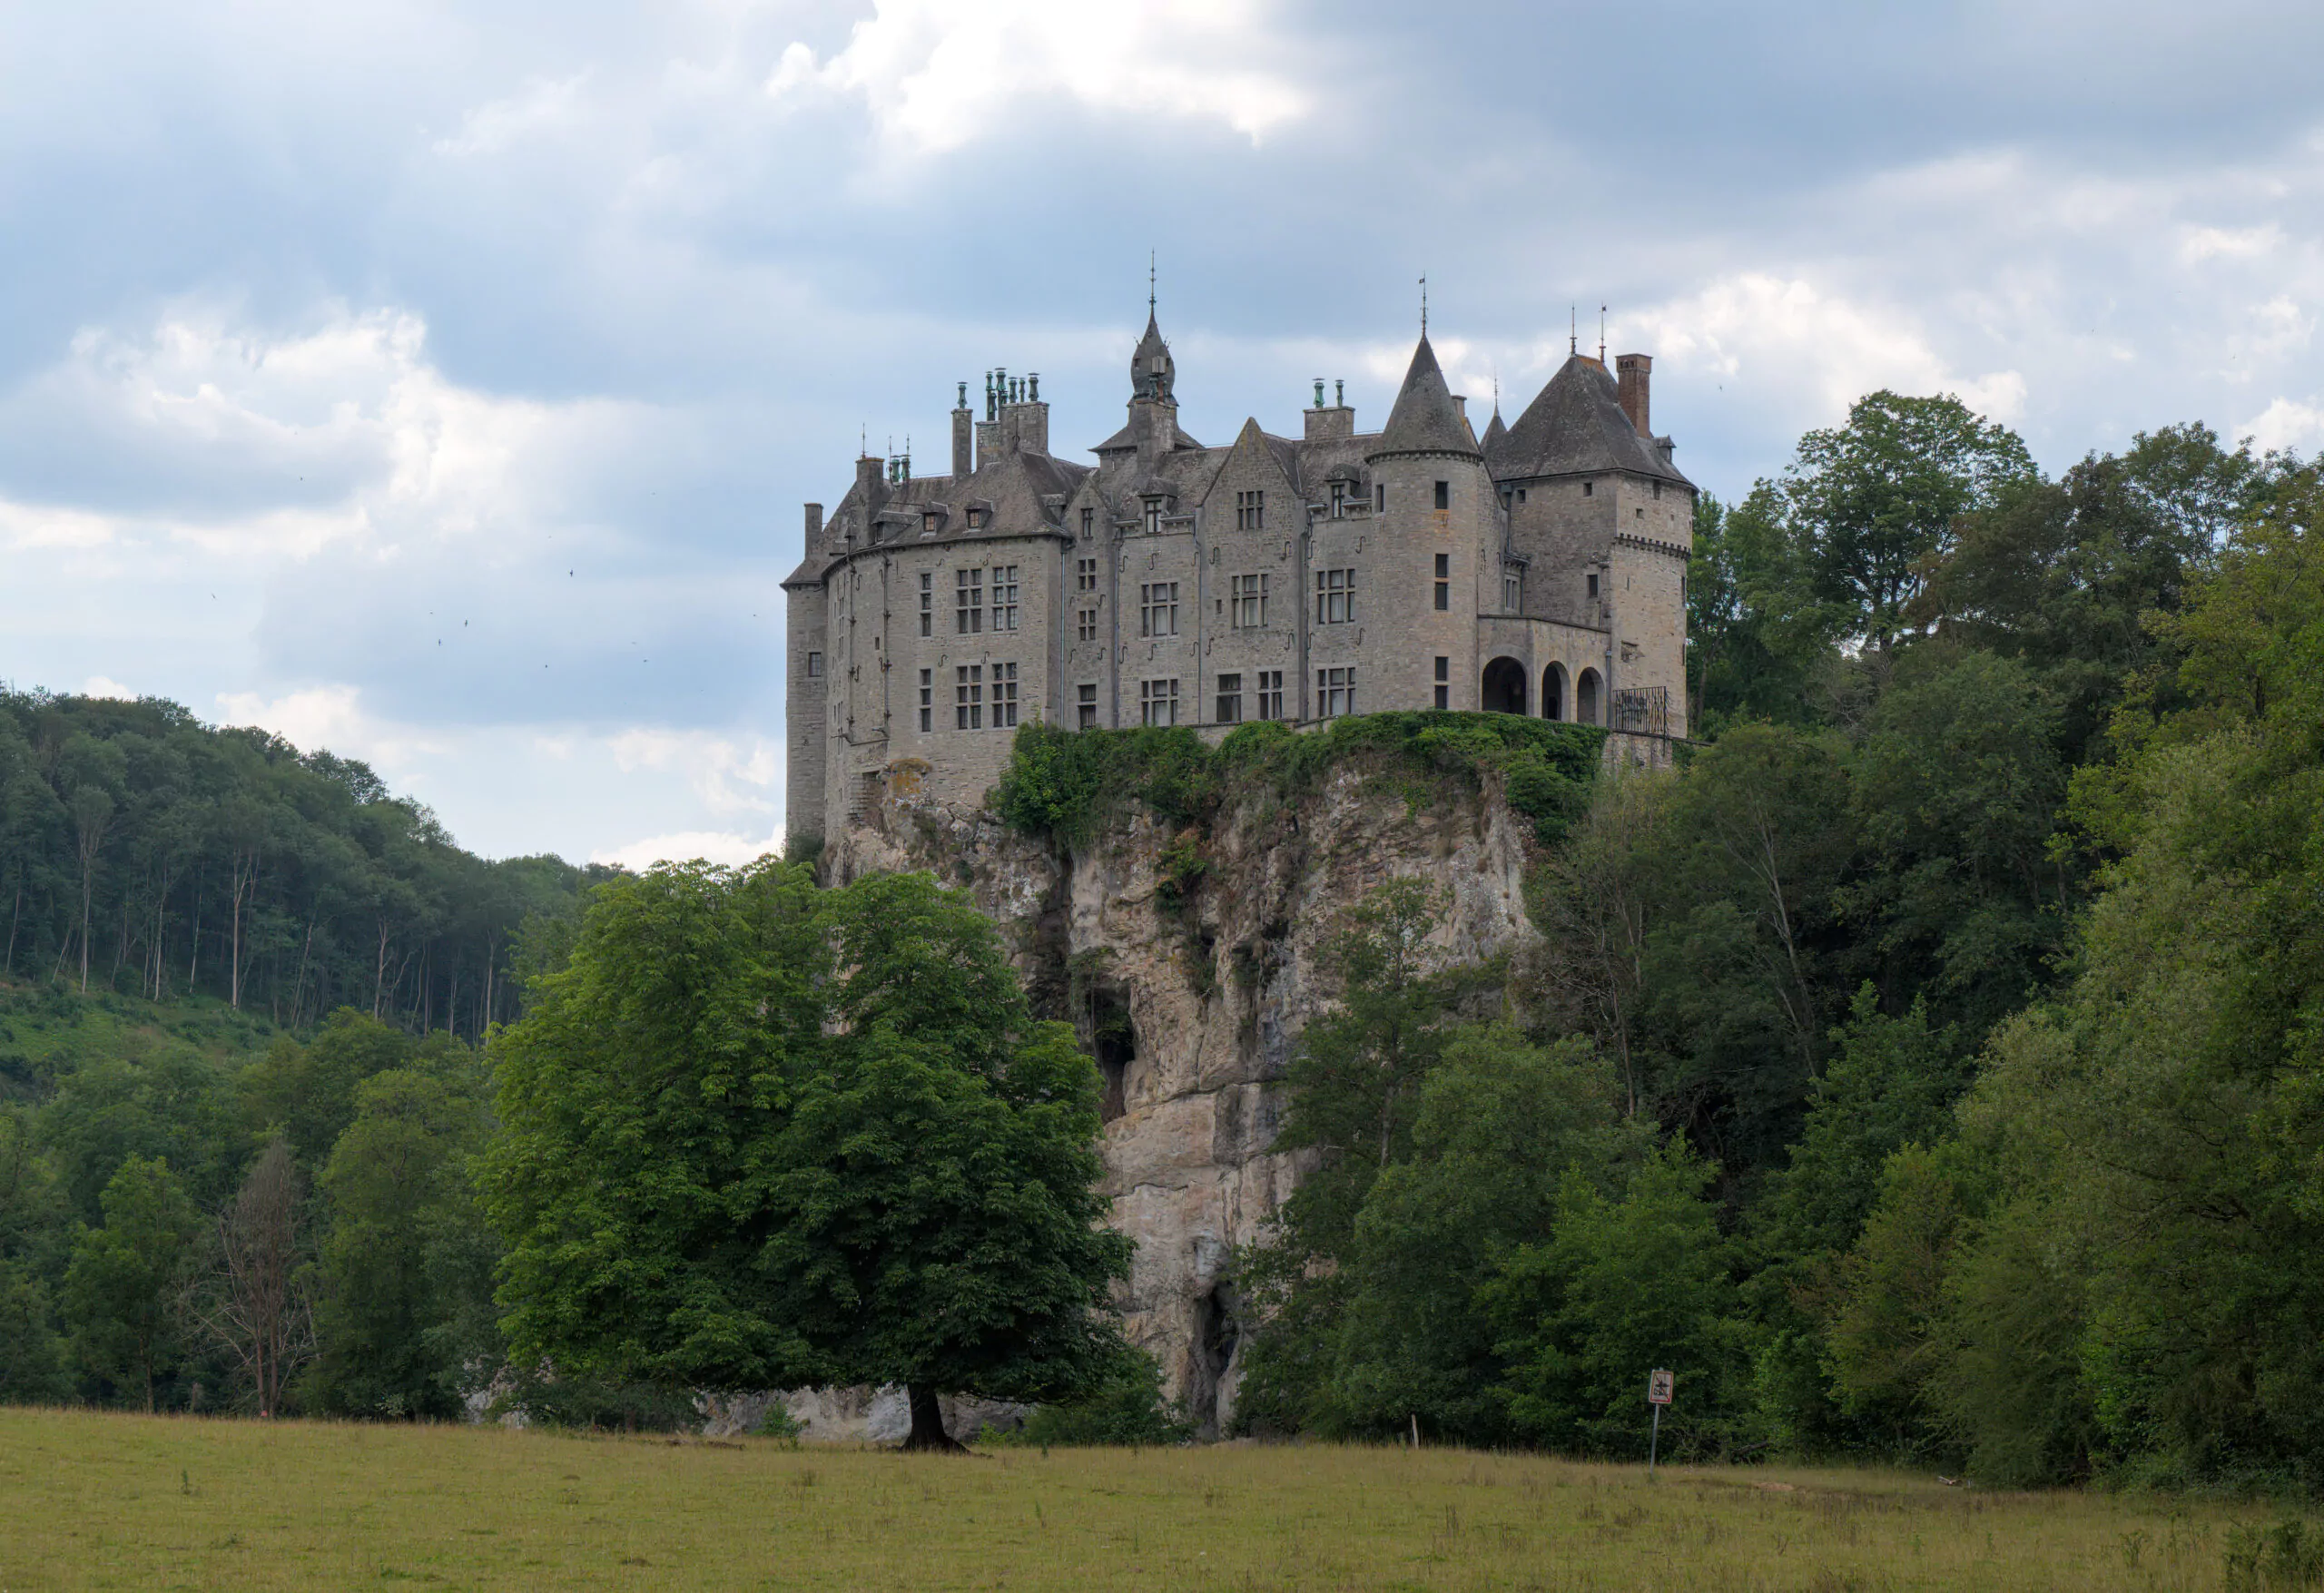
x,y
1443,683
1658,489
968,697
1586,488
928,523
1250,511
1443,582
927,604
976,519
1004,597
1152,517
1513,591
1380,497
1249,595
1335,693
814,666
1086,626
928,699
1334,597
1084,706
1157,702
1230,699
1339,500
1157,609
1089,523
1004,696
968,602
1520,495
1084,574
1593,582
1270,693
1443,495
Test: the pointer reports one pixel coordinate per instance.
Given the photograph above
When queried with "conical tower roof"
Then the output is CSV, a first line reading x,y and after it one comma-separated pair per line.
x,y
1425,419
1152,372
1576,427
1494,432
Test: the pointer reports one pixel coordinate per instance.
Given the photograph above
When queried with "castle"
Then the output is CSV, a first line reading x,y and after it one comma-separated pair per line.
x,y
1538,569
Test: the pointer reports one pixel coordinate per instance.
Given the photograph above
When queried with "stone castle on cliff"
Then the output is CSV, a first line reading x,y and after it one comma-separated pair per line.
x,y
1538,569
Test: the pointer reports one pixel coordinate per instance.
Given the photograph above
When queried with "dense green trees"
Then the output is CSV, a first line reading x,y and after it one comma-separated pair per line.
x,y
143,851
1933,1049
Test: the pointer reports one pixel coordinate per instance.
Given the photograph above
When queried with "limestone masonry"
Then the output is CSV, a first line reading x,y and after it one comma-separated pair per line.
x,y
1538,570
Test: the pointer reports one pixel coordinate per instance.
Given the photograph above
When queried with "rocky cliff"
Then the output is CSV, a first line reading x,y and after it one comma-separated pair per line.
x,y
1189,963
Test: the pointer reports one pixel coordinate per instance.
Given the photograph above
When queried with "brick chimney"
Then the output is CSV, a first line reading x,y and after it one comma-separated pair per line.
x,y
1632,373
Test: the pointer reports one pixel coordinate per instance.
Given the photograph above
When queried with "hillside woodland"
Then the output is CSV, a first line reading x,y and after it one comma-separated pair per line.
x,y
1929,1067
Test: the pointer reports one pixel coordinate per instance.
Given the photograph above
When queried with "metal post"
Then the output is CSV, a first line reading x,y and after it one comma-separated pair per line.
x,y
1654,1444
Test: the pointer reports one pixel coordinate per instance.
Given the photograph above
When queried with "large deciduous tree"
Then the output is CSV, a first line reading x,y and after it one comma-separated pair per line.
x,y
758,1135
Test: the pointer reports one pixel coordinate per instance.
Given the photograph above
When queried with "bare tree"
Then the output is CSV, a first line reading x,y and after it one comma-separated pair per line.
x,y
255,1304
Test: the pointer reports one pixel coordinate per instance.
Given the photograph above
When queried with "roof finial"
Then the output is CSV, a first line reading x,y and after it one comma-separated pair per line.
x,y
1601,334
1150,284
1423,306
1573,329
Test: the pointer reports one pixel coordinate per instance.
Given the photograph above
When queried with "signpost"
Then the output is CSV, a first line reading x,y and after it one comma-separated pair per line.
x,y
1658,1394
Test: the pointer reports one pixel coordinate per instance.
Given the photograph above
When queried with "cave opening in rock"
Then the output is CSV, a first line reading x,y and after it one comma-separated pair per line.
x,y
1114,1041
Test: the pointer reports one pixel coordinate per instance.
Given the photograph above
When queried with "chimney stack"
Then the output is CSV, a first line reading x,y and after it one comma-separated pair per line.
x,y
1632,374
814,526
963,437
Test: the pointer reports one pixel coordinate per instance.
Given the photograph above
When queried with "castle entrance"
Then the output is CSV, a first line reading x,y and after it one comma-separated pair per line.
x,y
1504,686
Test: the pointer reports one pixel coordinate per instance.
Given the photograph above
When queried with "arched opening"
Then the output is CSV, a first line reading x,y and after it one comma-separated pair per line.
x,y
1553,692
1504,686
1585,697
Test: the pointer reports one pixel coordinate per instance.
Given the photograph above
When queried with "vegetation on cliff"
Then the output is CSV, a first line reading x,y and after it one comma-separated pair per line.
x,y
1069,784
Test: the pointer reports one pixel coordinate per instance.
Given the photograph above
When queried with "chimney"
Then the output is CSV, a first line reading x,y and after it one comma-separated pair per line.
x,y
869,485
1631,375
963,437
814,526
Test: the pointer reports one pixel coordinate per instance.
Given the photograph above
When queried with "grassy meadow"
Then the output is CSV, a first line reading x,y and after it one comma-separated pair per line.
x,y
110,1501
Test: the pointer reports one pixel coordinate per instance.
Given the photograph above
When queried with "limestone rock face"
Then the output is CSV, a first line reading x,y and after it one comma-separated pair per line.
x,y
1192,994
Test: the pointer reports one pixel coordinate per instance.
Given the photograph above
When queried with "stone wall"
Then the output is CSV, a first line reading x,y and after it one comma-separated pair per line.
x,y
1194,1006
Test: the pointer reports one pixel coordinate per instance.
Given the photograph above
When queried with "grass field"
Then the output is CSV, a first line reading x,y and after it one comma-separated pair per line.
x,y
99,1501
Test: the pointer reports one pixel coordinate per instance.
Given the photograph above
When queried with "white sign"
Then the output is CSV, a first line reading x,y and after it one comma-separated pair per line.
x,y
1657,1388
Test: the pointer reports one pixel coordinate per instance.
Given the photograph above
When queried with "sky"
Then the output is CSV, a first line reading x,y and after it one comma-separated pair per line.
x,y
440,384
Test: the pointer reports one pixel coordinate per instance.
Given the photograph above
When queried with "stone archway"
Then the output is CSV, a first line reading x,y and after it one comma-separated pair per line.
x,y
1505,687
1586,693
1553,692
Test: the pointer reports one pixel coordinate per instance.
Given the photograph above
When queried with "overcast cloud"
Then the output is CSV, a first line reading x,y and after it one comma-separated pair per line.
x,y
440,384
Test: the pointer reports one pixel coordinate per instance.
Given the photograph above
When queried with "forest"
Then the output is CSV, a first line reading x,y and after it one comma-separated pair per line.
x,y
1924,1068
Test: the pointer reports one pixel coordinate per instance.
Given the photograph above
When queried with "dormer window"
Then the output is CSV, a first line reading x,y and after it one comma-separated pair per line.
x,y
1152,517
928,524
1339,500
976,519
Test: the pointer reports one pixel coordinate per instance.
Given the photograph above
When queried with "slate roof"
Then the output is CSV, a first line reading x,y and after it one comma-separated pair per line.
x,y
1576,427
1425,419
1023,493
1494,432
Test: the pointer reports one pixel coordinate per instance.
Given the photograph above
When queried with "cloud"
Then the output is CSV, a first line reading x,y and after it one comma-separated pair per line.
x,y
98,685
491,128
936,74
709,845
1821,350
332,717
715,766
2287,423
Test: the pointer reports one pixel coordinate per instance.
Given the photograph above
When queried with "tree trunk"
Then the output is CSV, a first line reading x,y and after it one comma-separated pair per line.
x,y
13,914
927,1422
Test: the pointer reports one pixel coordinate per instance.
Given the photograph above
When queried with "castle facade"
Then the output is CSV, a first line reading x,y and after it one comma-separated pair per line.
x,y
1537,569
